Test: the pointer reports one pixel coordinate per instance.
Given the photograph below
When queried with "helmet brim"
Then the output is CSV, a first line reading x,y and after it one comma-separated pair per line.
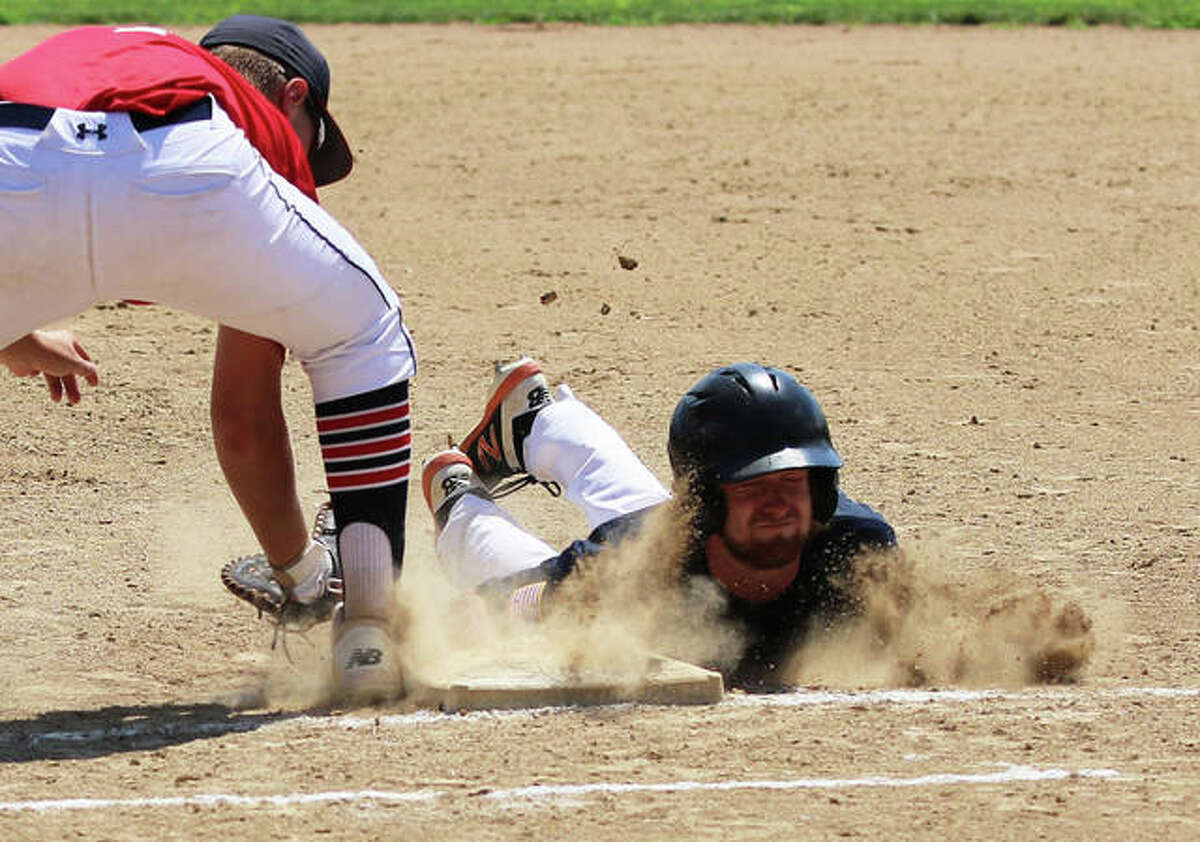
x,y
816,456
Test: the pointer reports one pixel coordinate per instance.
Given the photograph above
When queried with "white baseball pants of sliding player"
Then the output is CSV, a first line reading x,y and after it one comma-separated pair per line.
x,y
568,444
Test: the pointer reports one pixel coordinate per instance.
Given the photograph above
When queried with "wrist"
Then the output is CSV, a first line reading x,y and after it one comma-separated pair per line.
x,y
305,577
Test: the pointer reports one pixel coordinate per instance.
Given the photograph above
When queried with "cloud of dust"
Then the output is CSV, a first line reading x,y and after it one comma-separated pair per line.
x,y
604,619
299,678
190,541
922,625
306,681
924,620
602,622
193,538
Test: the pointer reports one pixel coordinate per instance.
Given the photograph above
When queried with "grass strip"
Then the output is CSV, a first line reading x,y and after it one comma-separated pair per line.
x,y
1180,14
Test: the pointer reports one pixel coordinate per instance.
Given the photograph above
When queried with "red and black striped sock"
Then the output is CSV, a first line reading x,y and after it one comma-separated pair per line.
x,y
366,446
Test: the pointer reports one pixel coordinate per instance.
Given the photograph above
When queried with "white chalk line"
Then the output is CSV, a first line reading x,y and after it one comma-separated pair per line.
x,y
908,697
1012,774
561,792
802,698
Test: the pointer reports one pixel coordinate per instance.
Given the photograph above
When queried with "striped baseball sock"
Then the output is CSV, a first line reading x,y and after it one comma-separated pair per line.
x,y
366,447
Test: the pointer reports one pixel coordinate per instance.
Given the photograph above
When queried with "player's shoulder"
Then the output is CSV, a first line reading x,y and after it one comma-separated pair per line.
x,y
855,520
107,36
130,51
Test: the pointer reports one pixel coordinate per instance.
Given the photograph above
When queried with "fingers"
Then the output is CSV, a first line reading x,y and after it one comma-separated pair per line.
x,y
59,386
56,355
69,386
87,367
69,370
69,361
54,384
88,372
72,389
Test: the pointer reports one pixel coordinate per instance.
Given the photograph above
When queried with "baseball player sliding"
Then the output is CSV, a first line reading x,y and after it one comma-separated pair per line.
x,y
135,165
749,447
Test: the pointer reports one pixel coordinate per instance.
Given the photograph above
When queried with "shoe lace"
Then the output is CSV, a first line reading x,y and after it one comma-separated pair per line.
x,y
514,485
282,632
295,619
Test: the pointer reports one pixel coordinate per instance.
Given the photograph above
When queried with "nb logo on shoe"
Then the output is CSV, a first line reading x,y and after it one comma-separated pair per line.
x,y
364,658
538,396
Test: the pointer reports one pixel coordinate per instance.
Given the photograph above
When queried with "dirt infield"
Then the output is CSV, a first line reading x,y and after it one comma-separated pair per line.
x,y
976,246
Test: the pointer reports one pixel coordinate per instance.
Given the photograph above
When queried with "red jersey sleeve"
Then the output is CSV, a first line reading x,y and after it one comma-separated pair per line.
x,y
150,70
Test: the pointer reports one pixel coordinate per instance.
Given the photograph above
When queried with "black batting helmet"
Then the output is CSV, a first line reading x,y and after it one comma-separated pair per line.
x,y
743,421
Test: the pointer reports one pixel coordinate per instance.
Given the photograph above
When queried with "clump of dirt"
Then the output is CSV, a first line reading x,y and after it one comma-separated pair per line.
x,y
920,624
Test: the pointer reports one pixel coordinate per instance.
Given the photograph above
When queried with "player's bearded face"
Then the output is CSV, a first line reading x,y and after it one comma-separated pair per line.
x,y
769,519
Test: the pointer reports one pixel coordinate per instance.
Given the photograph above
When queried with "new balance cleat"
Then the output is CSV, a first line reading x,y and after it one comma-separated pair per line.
x,y
519,392
446,477
365,669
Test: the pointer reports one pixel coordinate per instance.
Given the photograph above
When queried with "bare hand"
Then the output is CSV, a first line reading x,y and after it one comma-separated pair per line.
x,y
57,356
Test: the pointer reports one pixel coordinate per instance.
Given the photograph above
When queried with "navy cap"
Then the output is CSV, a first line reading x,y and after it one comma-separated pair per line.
x,y
284,42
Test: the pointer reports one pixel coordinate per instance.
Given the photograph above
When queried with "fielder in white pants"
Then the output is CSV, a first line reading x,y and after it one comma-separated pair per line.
x,y
168,200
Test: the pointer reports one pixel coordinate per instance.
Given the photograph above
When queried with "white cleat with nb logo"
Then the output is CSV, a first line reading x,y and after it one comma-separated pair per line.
x,y
365,670
495,447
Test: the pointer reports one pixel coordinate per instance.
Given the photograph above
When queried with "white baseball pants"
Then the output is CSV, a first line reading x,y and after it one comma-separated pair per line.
x,y
189,216
568,444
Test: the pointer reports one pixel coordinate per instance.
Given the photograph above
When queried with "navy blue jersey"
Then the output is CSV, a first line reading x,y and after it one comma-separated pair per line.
x,y
818,596
773,629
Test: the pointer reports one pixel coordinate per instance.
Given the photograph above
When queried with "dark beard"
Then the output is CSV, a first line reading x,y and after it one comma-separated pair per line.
x,y
767,555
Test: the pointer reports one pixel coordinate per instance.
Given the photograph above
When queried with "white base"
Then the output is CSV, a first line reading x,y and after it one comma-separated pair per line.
x,y
527,684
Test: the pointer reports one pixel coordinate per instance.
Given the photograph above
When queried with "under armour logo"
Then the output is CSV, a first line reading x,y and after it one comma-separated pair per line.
x,y
364,658
538,396
82,130
452,483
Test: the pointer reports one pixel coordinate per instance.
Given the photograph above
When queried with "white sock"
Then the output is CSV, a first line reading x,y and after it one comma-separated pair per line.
x,y
366,571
